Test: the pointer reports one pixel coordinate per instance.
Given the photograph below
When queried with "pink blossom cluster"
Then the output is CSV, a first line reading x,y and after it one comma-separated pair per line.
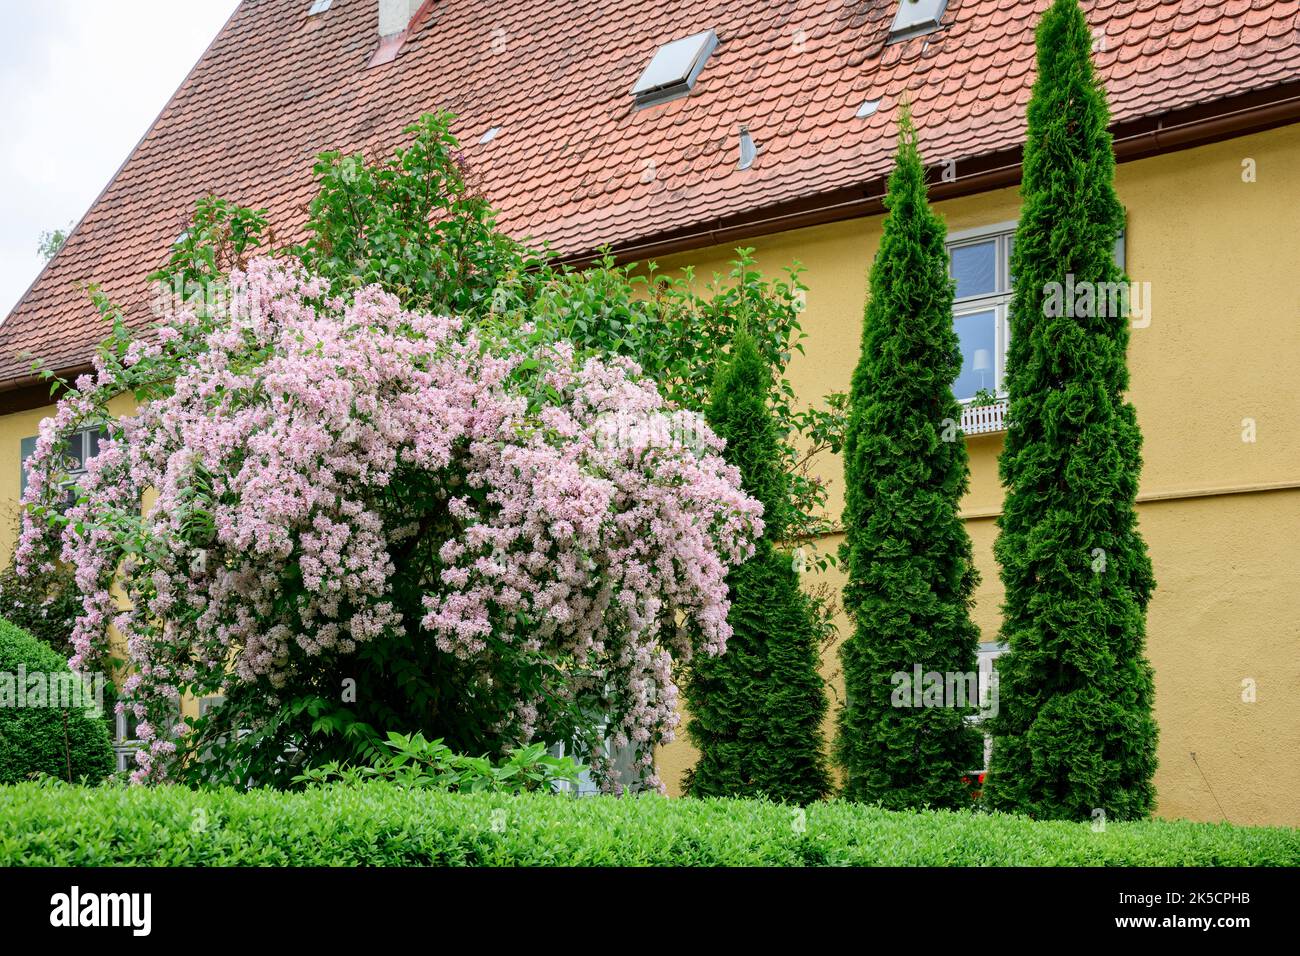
x,y
293,456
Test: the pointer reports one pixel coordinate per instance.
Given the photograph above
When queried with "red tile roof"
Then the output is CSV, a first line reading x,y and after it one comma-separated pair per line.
x,y
574,162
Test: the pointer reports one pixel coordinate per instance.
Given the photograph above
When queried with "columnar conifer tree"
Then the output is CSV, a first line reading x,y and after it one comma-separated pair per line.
x,y
757,710
906,551
1075,733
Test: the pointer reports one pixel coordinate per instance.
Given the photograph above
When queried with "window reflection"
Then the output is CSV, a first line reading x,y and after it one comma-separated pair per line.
x,y
977,332
975,267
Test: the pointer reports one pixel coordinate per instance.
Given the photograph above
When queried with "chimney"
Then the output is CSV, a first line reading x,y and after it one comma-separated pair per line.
x,y
395,16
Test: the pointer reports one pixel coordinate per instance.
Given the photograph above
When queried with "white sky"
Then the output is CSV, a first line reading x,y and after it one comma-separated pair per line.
x,y
80,82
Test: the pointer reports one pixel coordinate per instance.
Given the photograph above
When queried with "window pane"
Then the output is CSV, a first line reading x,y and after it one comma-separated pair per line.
x,y
989,652
978,335
975,267
27,448
75,452
127,724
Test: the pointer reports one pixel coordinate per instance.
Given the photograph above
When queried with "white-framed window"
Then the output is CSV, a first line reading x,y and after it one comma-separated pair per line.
x,y
125,740
622,758
80,448
988,654
979,261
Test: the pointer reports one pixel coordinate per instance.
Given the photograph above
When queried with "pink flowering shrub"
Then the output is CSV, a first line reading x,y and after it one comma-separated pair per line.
x,y
333,474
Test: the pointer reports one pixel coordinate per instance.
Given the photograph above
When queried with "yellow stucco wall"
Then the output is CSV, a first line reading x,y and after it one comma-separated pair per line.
x,y
1221,516
1223,345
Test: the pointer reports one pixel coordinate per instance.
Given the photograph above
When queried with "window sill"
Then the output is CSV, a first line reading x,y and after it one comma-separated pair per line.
x,y
984,419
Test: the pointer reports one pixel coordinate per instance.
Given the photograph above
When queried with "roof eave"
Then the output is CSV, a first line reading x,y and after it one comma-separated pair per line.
x,y
1135,139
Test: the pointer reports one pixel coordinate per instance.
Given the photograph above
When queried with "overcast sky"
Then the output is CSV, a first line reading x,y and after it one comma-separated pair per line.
x,y
81,80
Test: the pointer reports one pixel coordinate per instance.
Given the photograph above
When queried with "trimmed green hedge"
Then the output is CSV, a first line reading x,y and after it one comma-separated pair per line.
x,y
376,824
32,738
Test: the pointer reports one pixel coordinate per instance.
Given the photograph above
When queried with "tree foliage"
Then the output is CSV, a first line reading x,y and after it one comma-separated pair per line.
x,y
44,605
401,521
58,738
415,226
756,711
1075,732
50,242
906,551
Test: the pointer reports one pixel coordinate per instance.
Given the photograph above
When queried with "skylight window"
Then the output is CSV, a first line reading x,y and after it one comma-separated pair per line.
x,y
868,108
319,6
673,69
915,17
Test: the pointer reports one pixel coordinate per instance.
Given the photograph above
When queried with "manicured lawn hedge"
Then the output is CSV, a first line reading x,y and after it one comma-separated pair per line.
x,y
379,825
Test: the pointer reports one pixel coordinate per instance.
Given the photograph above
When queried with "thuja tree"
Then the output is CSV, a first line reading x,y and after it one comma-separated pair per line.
x,y
906,552
368,518
1075,732
756,711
